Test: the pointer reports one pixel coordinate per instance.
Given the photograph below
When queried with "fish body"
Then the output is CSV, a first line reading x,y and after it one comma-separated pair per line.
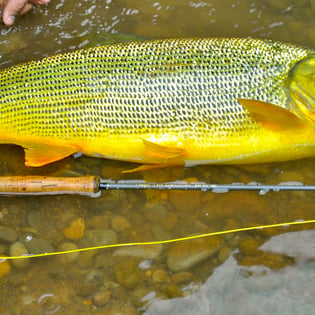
x,y
165,102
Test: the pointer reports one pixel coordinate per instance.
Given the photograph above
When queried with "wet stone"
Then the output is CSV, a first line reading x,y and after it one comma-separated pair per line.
x,y
85,258
69,258
19,249
145,264
99,222
7,234
140,251
186,201
3,248
5,268
160,233
272,261
159,275
171,291
86,289
182,277
143,296
249,247
38,246
98,237
120,224
184,255
33,219
224,254
75,230
126,274
102,297
103,260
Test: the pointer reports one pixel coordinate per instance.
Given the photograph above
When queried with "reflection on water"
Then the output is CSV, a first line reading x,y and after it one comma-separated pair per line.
x,y
254,289
252,272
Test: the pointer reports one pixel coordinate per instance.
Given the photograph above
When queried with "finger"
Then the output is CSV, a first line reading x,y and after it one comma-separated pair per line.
x,y
13,9
3,3
39,1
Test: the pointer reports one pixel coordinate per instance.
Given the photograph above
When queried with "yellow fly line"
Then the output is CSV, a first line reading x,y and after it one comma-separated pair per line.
x,y
251,228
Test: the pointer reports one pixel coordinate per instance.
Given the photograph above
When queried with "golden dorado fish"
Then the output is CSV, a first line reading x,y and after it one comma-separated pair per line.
x,y
164,102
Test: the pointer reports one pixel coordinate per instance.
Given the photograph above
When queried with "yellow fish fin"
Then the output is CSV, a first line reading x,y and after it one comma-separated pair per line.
x,y
42,154
163,156
162,152
272,117
149,167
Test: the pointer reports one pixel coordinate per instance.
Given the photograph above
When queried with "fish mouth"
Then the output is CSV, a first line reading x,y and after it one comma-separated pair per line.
x,y
300,88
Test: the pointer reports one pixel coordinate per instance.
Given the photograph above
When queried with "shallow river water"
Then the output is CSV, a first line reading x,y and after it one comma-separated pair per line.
x,y
265,271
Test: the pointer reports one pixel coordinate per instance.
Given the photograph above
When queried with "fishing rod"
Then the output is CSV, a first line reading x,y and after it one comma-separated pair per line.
x,y
93,185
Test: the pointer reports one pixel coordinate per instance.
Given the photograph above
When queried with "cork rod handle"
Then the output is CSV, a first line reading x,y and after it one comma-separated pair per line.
x,y
48,185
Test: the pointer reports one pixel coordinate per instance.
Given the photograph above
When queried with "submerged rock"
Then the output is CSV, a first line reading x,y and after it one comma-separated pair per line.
x,y
75,230
126,274
120,224
5,267
171,290
102,297
7,234
186,201
140,251
249,247
159,275
19,249
38,246
98,237
69,258
184,255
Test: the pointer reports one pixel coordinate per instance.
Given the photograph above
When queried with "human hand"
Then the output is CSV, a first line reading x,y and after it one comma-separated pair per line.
x,y
14,8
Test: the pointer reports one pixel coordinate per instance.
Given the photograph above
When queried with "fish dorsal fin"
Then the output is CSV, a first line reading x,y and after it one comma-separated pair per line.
x,y
42,154
272,117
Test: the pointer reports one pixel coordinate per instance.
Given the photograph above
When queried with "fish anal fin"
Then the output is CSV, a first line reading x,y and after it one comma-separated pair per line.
x,y
161,156
150,167
42,154
272,117
162,152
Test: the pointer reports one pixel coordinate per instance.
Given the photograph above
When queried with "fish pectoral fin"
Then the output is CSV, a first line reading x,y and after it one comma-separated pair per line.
x,y
162,152
42,154
270,116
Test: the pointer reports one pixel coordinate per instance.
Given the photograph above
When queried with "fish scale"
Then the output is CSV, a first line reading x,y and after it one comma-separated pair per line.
x,y
174,92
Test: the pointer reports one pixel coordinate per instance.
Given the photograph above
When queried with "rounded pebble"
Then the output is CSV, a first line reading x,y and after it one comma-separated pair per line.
x,y
101,298
126,274
5,267
140,251
182,256
38,246
120,224
69,258
159,275
19,249
7,234
98,237
75,230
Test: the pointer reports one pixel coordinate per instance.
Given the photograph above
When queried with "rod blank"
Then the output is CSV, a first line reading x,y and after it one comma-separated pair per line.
x,y
204,186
